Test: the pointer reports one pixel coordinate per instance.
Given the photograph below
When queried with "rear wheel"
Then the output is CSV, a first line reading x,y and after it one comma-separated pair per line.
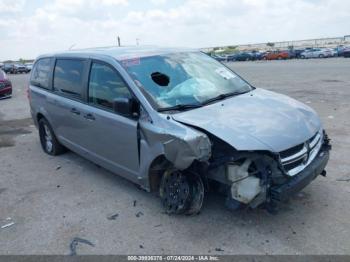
x,y
181,192
48,140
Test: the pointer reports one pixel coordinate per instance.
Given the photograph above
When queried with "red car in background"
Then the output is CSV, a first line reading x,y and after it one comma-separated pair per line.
x,y
5,85
277,55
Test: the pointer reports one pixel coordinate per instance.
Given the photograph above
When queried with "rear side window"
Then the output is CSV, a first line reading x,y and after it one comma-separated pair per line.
x,y
41,73
68,77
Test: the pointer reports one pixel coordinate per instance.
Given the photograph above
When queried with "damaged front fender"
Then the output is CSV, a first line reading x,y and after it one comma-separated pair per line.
x,y
179,144
183,151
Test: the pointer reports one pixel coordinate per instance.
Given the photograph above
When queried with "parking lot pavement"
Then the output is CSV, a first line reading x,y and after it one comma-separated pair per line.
x,y
51,200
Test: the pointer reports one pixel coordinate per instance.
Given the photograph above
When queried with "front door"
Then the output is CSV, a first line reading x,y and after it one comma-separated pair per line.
x,y
110,138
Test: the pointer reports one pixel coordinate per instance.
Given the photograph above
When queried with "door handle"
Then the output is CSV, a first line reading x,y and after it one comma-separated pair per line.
x,y
89,116
75,111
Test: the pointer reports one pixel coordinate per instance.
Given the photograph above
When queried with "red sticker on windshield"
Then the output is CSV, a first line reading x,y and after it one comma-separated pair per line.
x,y
131,62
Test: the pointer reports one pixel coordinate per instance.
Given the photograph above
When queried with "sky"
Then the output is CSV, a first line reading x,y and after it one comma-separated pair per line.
x,y
29,28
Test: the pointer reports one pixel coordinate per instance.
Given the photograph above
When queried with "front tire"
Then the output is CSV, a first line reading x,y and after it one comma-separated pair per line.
x,y
48,140
181,192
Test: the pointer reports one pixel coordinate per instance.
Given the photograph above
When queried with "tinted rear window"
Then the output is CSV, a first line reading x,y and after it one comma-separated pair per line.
x,y
68,77
41,73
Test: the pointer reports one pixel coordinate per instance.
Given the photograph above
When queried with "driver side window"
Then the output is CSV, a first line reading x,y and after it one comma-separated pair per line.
x,y
105,85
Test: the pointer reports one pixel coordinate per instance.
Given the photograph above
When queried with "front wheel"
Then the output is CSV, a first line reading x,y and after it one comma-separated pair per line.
x,y
181,192
48,140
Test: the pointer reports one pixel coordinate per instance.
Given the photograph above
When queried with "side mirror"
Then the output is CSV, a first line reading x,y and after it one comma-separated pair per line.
x,y
128,107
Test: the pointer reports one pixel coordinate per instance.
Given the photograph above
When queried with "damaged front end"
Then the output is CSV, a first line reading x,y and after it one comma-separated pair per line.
x,y
252,179
192,160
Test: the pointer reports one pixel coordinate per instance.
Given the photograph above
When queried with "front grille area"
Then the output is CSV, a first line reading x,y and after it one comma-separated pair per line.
x,y
291,151
296,158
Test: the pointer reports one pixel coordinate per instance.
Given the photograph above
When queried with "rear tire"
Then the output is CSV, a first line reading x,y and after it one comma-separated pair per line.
x,y
48,140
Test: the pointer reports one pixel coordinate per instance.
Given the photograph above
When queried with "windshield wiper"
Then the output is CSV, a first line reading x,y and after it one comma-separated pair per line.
x,y
223,96
179,107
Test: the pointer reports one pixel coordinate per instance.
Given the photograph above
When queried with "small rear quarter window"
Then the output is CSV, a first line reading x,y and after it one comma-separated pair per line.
x,y
41,73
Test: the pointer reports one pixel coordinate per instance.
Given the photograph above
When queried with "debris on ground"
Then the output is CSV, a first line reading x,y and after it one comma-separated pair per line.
x,y
58,167
345,179
138,214
8,224
141,246
113,217
158,225
73,245
134,204
219,249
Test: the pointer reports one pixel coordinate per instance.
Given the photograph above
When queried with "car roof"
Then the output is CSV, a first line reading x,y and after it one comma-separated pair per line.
x,y
119,53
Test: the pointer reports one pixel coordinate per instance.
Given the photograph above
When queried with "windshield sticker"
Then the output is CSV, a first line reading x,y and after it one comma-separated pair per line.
x,y
131,62
225,73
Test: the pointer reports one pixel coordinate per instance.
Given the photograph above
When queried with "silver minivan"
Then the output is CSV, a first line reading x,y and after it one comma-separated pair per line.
x,y
179,123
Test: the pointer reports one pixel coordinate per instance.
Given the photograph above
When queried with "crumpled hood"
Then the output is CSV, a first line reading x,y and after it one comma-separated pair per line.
x,y
258,120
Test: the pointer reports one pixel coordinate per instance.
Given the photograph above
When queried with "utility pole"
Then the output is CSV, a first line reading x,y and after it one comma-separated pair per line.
x,y
70,48
118,40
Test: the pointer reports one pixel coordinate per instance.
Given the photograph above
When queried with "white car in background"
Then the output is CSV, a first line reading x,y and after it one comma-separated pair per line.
x,y
333,51
316,53
29,66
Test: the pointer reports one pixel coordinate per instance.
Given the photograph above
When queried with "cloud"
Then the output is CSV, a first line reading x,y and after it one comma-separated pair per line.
x,y
112,2
194,23
158,2
10,6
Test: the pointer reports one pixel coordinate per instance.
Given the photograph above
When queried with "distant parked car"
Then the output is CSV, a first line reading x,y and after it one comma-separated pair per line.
x,y
256,55
241,56
333,52
316,53
291,54
346,52
19,68
297,52
8,68
29,67
277,55
340,50
219,58
5,85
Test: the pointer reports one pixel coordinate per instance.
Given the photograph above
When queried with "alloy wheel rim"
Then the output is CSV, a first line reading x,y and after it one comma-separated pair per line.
x,y
48,139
